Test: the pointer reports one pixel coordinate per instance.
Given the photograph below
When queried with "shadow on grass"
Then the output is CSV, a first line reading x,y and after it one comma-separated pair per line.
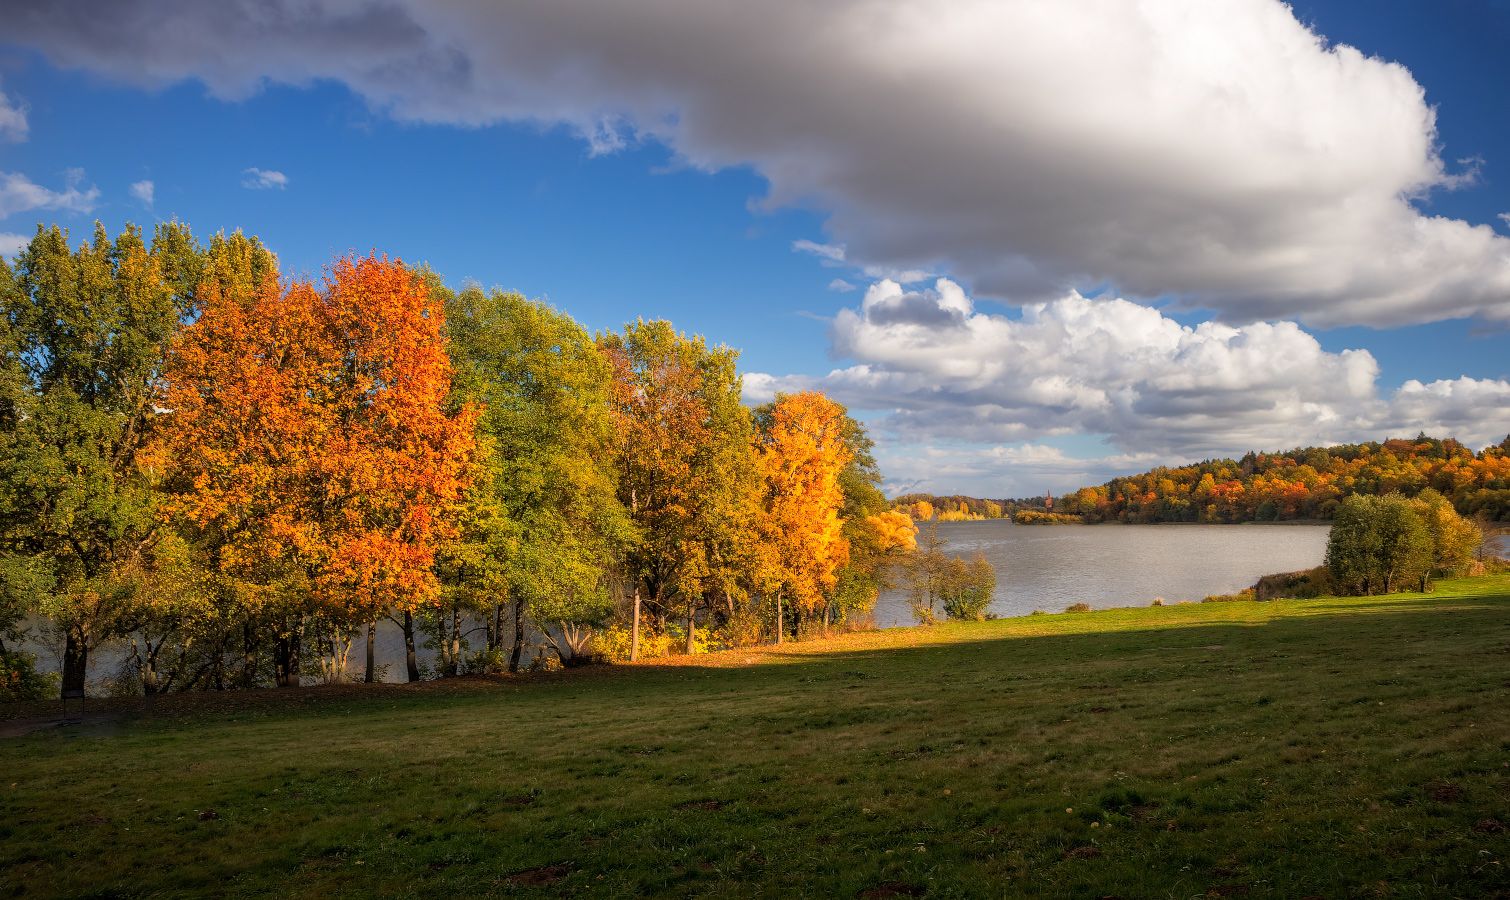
x,y
1039,648
1044,644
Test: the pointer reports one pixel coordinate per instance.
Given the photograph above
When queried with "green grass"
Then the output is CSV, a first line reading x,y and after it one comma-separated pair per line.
x,y
1292,748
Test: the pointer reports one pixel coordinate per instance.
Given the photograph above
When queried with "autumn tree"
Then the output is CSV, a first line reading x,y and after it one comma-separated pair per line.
x,y
1377,542
1455,540
86,335
197,622
1405,549
878,536
310,444
685,470
801,454
543,524
1353,546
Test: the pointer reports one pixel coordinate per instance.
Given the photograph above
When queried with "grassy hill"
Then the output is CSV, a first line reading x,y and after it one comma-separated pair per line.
x,y
1291,748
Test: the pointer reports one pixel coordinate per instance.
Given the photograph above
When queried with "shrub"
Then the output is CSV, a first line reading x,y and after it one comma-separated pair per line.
x,y
20,680
1244,594
484,662
967,588
1157,601
1078,607
746,627
612,643
1303,585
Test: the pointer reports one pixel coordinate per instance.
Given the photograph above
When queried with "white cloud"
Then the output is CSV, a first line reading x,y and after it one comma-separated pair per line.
x,y
833,255
145,191
841,286
12,244
1020,470
829,253
1220,152
19,194
943,373
1505,217
13,123
1477,408
263,179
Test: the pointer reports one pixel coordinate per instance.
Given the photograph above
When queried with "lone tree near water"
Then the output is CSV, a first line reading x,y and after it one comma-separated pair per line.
x,y
1381,543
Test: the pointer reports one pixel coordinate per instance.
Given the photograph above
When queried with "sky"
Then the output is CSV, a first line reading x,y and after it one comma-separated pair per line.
x,y
1032,245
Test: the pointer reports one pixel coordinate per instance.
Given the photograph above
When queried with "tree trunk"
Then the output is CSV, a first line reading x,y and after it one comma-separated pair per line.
x,y
411,664
827,609
149,667
518,635
75,662
634,630
370,674
495,638
248,654
455,663
286,659
780,626
1389,578
691,626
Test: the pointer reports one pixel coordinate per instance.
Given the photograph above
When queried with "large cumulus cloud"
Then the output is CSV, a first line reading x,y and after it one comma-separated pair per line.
x,y
940,370
1215,151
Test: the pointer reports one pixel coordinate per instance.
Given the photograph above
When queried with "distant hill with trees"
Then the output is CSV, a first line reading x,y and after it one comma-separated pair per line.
x,y
1307,483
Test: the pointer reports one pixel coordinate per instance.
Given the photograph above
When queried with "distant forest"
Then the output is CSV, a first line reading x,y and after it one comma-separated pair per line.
x,y
1307,483
953,508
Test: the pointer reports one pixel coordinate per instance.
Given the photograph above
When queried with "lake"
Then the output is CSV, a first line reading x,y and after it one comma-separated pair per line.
x,y
1049,567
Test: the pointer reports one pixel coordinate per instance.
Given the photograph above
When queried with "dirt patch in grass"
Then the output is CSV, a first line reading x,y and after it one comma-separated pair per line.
x,y
540,876
1444,792
891,889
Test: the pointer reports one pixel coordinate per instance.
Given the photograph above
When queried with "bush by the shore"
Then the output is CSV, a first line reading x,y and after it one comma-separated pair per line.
x,y
20,680
1035,517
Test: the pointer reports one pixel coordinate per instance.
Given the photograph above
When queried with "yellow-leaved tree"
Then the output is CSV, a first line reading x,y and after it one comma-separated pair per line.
x,y
801,452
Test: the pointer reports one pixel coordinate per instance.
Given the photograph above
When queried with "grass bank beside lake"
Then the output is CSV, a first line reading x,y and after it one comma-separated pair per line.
x,y
1327,747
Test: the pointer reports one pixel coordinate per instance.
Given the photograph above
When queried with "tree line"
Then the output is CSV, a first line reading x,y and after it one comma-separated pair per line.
x,y
240,474
953,508
1308,483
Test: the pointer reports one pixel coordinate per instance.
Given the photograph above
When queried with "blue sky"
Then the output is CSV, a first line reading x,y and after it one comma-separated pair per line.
x,y
666,217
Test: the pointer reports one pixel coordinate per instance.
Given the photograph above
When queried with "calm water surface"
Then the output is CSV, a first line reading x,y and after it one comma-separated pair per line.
x,y
1049,567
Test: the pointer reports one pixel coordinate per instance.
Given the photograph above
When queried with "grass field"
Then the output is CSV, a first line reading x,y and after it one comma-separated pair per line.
x,y
1290,749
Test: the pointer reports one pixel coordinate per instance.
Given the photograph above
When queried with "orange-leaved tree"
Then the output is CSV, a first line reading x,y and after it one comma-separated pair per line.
x,y
686,477
310,447
801,452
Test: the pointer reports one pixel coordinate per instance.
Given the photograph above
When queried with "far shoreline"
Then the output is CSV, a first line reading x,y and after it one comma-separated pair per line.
x,y
1283,522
